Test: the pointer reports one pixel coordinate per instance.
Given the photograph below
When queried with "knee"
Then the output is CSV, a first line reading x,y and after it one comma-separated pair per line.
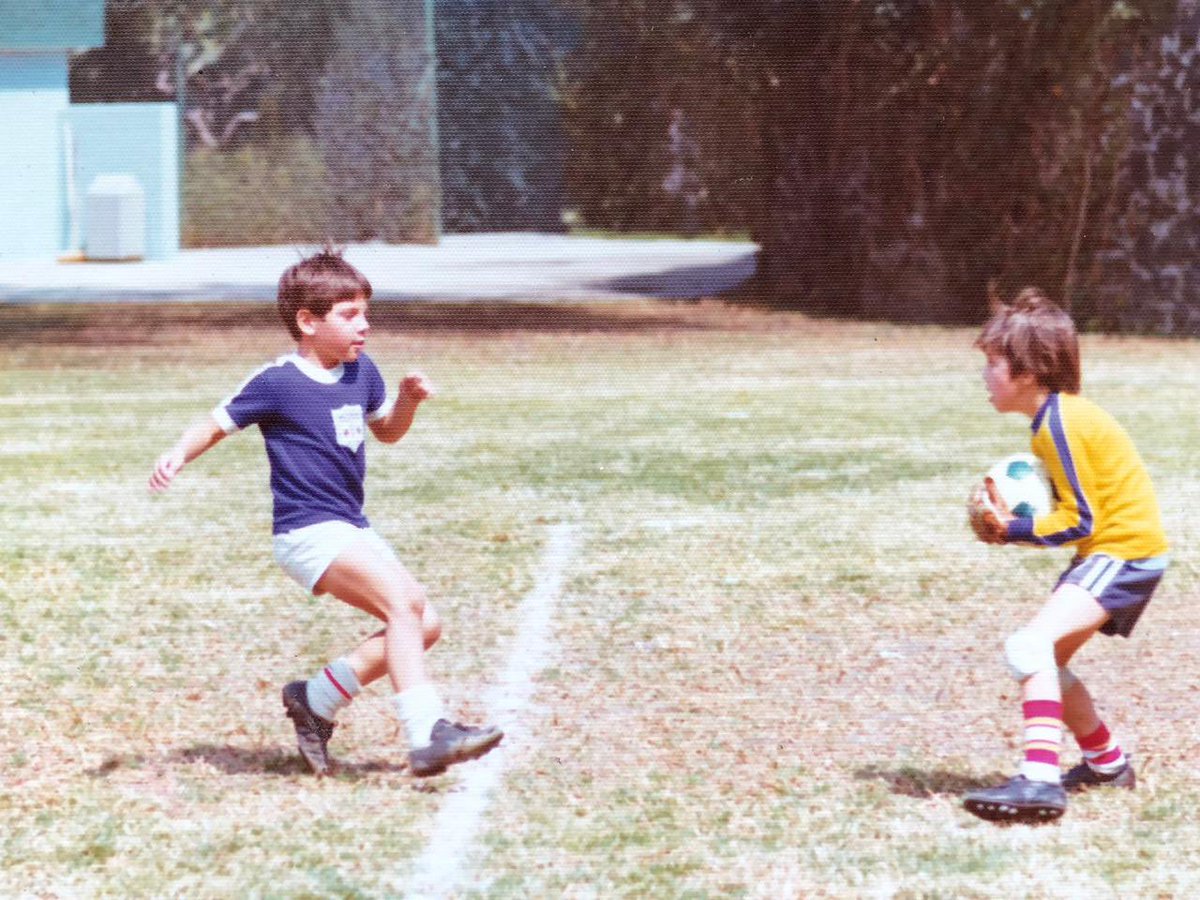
x,y
1028,652
407,603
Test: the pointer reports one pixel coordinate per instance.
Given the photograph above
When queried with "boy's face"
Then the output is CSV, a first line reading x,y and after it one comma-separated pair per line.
x,y
340,334
1008,393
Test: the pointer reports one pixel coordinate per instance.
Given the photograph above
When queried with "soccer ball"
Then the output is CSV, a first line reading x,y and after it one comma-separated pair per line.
x,y
1022,483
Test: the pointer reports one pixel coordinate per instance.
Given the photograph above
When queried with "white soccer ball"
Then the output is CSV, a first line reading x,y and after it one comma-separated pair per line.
x,y
1021,481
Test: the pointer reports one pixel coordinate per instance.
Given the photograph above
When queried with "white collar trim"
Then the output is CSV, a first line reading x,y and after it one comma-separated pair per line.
x,y
315,372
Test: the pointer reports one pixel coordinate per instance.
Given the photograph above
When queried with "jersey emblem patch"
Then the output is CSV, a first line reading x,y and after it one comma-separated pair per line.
x,y
348,426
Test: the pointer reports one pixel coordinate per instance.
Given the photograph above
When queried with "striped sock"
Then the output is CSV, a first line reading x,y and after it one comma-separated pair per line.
x,y
332,689
1043,739
1102,752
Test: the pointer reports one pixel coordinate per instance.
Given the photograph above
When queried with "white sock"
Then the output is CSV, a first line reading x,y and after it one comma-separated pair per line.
x,y
1036,771
419,708
332,689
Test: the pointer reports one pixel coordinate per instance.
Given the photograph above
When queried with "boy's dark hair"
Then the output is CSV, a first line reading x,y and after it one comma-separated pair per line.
x,y
1035,336
316,283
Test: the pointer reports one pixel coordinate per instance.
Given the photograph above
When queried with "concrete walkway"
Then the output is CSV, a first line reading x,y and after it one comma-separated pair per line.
x,y
490,267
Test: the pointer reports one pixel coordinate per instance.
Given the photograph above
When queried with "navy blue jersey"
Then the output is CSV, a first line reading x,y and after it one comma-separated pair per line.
x,y
313,421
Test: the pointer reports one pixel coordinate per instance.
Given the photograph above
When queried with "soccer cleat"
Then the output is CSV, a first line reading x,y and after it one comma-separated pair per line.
x,y
1084,776
312,732
449,744
1018,800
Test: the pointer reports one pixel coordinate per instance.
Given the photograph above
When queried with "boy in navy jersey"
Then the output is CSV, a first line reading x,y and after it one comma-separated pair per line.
x,y
313,408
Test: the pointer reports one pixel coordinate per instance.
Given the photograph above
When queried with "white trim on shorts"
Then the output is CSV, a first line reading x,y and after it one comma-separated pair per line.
x,y
306,553
1101,570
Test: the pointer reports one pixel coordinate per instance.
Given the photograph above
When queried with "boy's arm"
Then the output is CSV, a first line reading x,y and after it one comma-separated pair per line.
x,y
1072,518
195,440
414,389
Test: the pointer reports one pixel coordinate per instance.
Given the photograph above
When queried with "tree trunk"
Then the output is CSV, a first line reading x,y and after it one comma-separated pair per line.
x,y
377,126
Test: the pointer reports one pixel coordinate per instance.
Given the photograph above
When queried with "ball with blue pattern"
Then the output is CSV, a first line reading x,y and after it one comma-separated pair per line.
x,y
1022,483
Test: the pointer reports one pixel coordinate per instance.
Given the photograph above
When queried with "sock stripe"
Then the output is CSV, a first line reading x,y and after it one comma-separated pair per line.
x,y
1048,757
341,690
1043,739
1048,746
1104,759
1097,740
1043,722
1042,708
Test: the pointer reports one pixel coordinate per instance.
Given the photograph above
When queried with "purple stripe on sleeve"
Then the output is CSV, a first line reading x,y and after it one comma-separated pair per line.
x,y
1059,434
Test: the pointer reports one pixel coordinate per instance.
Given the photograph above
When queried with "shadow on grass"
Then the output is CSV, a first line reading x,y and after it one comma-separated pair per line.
x,y
686,282
116,324
246,761
923,784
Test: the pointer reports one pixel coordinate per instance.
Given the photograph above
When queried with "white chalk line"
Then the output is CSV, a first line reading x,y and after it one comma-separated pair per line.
x,y
442,866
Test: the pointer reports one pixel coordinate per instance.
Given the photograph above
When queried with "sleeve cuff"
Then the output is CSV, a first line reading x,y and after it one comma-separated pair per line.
x,y
380,411
1020,529
221,417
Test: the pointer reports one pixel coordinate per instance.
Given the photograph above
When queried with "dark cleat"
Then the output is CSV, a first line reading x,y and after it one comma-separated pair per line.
x,y
1018,800
449,744
312,732
1084,776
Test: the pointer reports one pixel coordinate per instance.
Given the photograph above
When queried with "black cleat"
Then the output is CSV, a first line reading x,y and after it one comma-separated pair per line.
x,y
1018,800
312,732
1084,776
449,744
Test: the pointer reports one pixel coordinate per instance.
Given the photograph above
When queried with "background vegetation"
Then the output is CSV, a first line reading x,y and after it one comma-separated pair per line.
x,y
911,159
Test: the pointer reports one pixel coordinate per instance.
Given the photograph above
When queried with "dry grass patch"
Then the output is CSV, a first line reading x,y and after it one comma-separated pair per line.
x,y
776,660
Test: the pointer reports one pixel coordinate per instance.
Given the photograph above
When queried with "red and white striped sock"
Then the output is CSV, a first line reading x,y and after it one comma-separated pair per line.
x,y
1102,752
1043,740
332,689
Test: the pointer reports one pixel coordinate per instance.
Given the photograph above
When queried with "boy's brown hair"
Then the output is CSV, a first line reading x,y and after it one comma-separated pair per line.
x,y
1035,336
316,283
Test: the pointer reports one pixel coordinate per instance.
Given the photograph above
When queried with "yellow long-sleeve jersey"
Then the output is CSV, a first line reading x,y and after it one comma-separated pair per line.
x,y
1105,502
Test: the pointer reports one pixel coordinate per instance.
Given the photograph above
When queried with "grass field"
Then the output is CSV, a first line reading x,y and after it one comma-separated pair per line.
x,y
775,658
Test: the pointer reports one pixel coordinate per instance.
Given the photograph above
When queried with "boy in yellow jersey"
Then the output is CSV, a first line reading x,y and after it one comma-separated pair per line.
x,y
1106,509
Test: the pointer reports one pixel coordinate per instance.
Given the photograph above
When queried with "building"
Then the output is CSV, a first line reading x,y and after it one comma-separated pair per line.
x,y
52,151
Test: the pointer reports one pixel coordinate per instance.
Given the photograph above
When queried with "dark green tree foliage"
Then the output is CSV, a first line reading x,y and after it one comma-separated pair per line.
x,y
924,157
376,123
1153,267
251,66
658,120
127,68
500,123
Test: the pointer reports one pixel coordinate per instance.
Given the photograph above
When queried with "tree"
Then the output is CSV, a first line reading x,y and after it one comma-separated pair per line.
x,y
1152,268
657,118
250,67
500,117
921,158
376,123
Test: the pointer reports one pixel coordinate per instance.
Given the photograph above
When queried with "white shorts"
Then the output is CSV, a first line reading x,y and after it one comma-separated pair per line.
x,y
307,552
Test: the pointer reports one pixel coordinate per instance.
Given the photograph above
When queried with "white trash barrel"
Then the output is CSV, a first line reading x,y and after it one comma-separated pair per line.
x,y
116,218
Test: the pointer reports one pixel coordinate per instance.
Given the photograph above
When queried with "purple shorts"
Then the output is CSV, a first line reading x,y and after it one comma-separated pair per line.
x,y
1123,587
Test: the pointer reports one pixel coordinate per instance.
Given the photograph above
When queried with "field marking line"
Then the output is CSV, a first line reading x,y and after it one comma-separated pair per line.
x,y
442,866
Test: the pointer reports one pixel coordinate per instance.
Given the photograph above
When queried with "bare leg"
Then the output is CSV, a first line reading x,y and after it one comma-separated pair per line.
x,y
383,587
379,584
1069,618
1079,711
1064,624
369,659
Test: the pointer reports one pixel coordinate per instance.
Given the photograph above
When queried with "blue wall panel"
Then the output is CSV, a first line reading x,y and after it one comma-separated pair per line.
x,y
139,139
33,100
51,24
